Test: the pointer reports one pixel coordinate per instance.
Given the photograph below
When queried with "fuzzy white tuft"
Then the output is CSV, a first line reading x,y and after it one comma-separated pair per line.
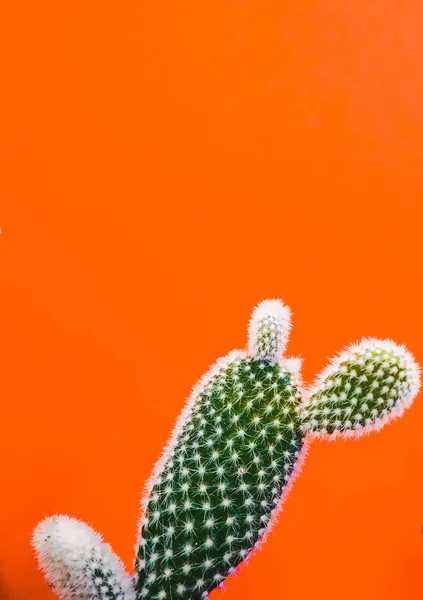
x,y
269,329
77,563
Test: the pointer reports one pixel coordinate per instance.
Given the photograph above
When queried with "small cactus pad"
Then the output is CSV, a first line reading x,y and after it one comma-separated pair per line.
x,y
362,389
215,493
269,329
77,564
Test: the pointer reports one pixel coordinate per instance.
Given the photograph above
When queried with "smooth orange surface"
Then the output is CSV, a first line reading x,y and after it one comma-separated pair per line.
x,y
167,165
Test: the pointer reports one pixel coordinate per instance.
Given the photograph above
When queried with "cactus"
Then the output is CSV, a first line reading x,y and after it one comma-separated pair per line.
x,y
78,563
230,463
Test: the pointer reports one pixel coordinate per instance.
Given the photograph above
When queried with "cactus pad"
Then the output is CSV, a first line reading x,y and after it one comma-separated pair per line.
x,y
223,479
362,389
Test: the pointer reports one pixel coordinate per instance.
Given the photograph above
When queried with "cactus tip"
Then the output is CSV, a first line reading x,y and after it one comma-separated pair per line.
x,y
269,329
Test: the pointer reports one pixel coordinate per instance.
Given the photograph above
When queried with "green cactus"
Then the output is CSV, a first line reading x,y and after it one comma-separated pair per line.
x,y
234,453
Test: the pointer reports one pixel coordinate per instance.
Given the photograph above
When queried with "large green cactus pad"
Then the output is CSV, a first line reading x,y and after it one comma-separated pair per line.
x,y
222,479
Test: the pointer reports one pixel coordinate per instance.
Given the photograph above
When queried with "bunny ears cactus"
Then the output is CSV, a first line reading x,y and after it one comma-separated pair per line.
x,y
231,460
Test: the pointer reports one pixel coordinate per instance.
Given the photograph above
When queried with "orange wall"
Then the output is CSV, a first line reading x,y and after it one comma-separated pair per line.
x,y
166,166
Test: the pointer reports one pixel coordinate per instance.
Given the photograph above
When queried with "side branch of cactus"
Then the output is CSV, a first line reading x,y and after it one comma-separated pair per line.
x,y
77,563
361,390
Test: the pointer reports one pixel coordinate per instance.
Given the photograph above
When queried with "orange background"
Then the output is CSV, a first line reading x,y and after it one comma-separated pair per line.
x,y
166,166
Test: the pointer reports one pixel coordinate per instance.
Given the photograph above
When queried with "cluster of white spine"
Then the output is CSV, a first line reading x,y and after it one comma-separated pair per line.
x,y
77,564
361,390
